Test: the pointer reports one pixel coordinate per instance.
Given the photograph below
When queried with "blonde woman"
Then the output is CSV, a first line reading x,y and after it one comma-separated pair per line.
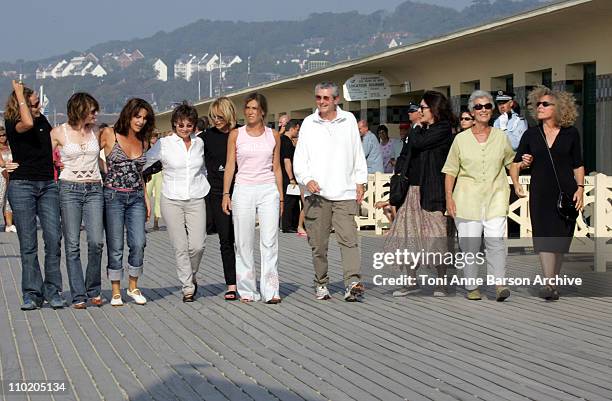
x,y
222,114
554,138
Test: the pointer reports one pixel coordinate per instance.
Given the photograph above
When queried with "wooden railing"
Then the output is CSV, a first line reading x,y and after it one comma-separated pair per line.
x,y
593,229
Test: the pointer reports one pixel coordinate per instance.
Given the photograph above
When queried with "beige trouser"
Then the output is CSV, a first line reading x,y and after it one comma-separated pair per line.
x,y
186,224
320,215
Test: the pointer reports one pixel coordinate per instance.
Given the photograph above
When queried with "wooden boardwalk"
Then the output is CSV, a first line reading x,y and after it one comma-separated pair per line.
x,y
413,348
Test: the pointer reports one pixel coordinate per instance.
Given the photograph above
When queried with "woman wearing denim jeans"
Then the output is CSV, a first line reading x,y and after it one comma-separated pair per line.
x,y
33,193
126,206
81,199
258,191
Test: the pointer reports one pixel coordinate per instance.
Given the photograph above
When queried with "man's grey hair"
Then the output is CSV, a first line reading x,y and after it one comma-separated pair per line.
x,y
328,85
478,94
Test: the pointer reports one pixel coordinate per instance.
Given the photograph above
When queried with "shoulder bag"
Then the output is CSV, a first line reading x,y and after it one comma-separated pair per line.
x,y
565,203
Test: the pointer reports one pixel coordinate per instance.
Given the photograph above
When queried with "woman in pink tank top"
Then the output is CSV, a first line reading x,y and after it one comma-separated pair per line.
x,y
254,149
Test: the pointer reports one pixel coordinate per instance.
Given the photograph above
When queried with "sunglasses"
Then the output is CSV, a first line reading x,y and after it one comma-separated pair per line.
x,y
466,119
217,118
487,106
545,104
326,98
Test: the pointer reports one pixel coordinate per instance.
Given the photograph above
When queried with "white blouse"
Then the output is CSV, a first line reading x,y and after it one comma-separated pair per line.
x,y
183,174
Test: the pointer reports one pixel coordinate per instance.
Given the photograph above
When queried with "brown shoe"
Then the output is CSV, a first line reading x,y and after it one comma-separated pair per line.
x,y
80,305
98,301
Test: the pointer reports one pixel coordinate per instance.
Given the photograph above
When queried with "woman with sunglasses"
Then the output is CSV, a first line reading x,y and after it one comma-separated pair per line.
x,y
477,164
466,121
5,205
81,197
184,187
33,194
556,113
420,224
222,114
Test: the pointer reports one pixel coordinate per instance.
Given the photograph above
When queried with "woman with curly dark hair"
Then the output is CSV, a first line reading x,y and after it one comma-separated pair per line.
x,y
126,206
556,165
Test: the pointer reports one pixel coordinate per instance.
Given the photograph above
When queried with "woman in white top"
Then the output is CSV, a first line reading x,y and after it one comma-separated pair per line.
x,y
184,186
81,197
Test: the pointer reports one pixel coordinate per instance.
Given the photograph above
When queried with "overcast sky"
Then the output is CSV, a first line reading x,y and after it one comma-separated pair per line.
x,y
34,29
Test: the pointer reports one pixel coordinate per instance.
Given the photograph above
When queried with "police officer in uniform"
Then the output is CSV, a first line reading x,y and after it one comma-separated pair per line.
x,y
509,120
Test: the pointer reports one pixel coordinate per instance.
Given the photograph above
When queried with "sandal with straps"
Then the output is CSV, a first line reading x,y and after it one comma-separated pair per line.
x,y
274,301
231,296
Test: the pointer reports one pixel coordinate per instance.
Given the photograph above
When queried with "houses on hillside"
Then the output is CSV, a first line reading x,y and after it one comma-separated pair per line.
x,y
188,65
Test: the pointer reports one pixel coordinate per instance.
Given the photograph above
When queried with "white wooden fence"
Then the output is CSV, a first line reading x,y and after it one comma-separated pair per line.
x,y
593,229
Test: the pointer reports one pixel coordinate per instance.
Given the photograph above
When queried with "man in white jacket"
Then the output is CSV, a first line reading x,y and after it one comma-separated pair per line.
x,y
329,161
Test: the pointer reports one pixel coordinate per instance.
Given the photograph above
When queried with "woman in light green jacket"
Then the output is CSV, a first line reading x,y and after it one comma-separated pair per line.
x,y
476,169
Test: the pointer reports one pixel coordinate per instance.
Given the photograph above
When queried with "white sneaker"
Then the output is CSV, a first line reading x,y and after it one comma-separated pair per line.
x,y
116,300
321,292
137,296
10,229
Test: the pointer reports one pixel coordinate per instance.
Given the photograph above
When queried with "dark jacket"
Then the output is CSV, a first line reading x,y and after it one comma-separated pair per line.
x,y
425,153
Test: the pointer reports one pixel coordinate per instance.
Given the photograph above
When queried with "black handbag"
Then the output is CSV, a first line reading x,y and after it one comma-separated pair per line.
x,y
399,185
565,203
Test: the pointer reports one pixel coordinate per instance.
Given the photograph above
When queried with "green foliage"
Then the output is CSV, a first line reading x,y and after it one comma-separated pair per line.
x,y
346,35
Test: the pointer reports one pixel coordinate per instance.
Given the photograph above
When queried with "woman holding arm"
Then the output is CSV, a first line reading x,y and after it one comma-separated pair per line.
x,y
126,206
420,224
478,202
81,198
184,187
34,194
555,137
222,113
255,149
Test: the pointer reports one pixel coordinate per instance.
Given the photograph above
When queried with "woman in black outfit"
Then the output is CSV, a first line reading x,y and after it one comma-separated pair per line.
x,y
222,114
552,234
420,223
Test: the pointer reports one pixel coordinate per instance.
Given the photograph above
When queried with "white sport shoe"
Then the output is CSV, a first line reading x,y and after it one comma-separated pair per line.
x,y
137,296
116,300
321,293
10,229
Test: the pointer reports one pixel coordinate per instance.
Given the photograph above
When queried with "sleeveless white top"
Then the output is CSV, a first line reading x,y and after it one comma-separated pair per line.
x,y
80,160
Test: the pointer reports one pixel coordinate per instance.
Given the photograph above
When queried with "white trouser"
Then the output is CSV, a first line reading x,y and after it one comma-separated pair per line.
x,y
249,200
186,224
470,232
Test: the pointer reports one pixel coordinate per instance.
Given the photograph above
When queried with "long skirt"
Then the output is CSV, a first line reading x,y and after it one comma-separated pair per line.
x,y
419,232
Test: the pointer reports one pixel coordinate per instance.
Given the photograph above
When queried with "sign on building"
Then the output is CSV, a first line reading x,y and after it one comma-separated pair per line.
x,y
366,87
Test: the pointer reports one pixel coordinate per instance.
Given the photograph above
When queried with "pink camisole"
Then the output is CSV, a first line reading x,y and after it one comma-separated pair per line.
x,y
254,156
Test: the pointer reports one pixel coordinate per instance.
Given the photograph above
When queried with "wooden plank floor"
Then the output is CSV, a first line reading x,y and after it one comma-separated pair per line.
x,y
412,348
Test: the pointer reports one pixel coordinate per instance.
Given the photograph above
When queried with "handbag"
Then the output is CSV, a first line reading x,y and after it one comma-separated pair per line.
x,y
399,185
565,203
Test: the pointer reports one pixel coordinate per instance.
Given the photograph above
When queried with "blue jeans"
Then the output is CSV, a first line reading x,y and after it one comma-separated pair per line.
x,y
31,199
83,202
125,211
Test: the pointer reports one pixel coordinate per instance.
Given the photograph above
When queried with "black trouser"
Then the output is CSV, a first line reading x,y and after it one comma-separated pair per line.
x,y
225,229
210,224
291,213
